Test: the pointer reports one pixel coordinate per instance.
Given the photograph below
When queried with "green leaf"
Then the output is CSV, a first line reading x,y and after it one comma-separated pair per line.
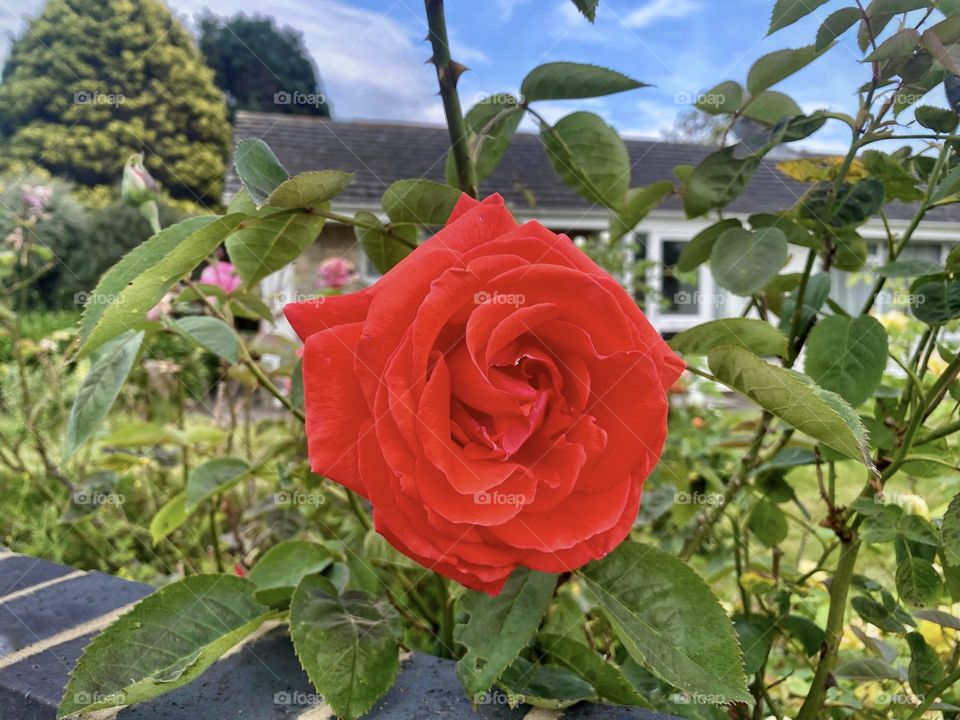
x,y
941,618
544,686
491,123
935,299
779,65
422,202
697,251
569,81
385,245
898,46
718,180
940,120
587,8
847,356
768,523
925,670
281,568
640,202
100,388
258,169
349,645
212,334
907,268
876,614
918,582
590,157
309,189
770,107
793,398
895,7
497,628
725,98
169,517
137,261
787,12
212,478
669,620
855,203
743,262
867,669
836,24
181,253
807,632
758,336
898,182
606,678
755,635
261,246
950,530
166,641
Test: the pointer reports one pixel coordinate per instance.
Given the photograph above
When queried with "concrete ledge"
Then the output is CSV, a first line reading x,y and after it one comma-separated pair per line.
x,y
48,613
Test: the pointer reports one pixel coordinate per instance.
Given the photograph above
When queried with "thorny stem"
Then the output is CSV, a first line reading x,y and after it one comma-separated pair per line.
x,y
448,72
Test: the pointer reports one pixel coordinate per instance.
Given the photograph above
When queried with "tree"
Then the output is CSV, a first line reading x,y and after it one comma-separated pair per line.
x,y
92,81
261,66
697,128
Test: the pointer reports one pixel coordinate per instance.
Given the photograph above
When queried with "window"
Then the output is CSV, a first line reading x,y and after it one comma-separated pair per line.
x,y
850,290
677,301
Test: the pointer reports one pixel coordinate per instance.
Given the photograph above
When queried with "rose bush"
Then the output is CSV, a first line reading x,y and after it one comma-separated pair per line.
x,y
497,397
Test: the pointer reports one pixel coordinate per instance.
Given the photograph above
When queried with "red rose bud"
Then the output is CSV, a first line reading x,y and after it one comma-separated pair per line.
x,y
497,397
138,185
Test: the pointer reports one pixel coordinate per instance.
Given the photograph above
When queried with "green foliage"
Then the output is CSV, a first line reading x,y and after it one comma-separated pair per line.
x,y
166,641
348,644
847,356
100,388
92,81
261,67
668,618
568,81
794,398
497,628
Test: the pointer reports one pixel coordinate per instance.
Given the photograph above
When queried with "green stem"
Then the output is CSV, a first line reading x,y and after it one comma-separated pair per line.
x,y
448,72
358,510
839,589
935,692
215,534
347,220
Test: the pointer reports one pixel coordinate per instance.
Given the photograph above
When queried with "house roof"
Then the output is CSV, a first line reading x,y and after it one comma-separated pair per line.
x,y
383,152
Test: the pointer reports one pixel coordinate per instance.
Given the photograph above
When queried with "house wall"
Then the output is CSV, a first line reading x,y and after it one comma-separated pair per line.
x,y
680,307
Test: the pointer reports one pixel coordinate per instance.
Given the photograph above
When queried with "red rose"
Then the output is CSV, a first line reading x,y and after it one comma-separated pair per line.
x,y
497,397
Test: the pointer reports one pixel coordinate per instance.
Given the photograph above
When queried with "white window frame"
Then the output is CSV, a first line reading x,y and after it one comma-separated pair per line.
x,y
709,299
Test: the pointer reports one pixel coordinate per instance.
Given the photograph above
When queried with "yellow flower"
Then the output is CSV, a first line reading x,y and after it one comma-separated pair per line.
x,y
893,320
937,364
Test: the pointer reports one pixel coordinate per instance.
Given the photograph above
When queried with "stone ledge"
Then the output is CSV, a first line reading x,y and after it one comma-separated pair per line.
x,y
48,613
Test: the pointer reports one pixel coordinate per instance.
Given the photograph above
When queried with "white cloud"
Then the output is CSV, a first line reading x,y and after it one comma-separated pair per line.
x,y
651,118
659,10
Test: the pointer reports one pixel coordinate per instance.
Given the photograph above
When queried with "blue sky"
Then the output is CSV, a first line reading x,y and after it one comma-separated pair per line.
x,y
370,52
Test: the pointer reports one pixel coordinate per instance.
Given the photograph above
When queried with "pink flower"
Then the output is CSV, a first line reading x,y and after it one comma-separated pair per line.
x,y
36,198
223,275
335,273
